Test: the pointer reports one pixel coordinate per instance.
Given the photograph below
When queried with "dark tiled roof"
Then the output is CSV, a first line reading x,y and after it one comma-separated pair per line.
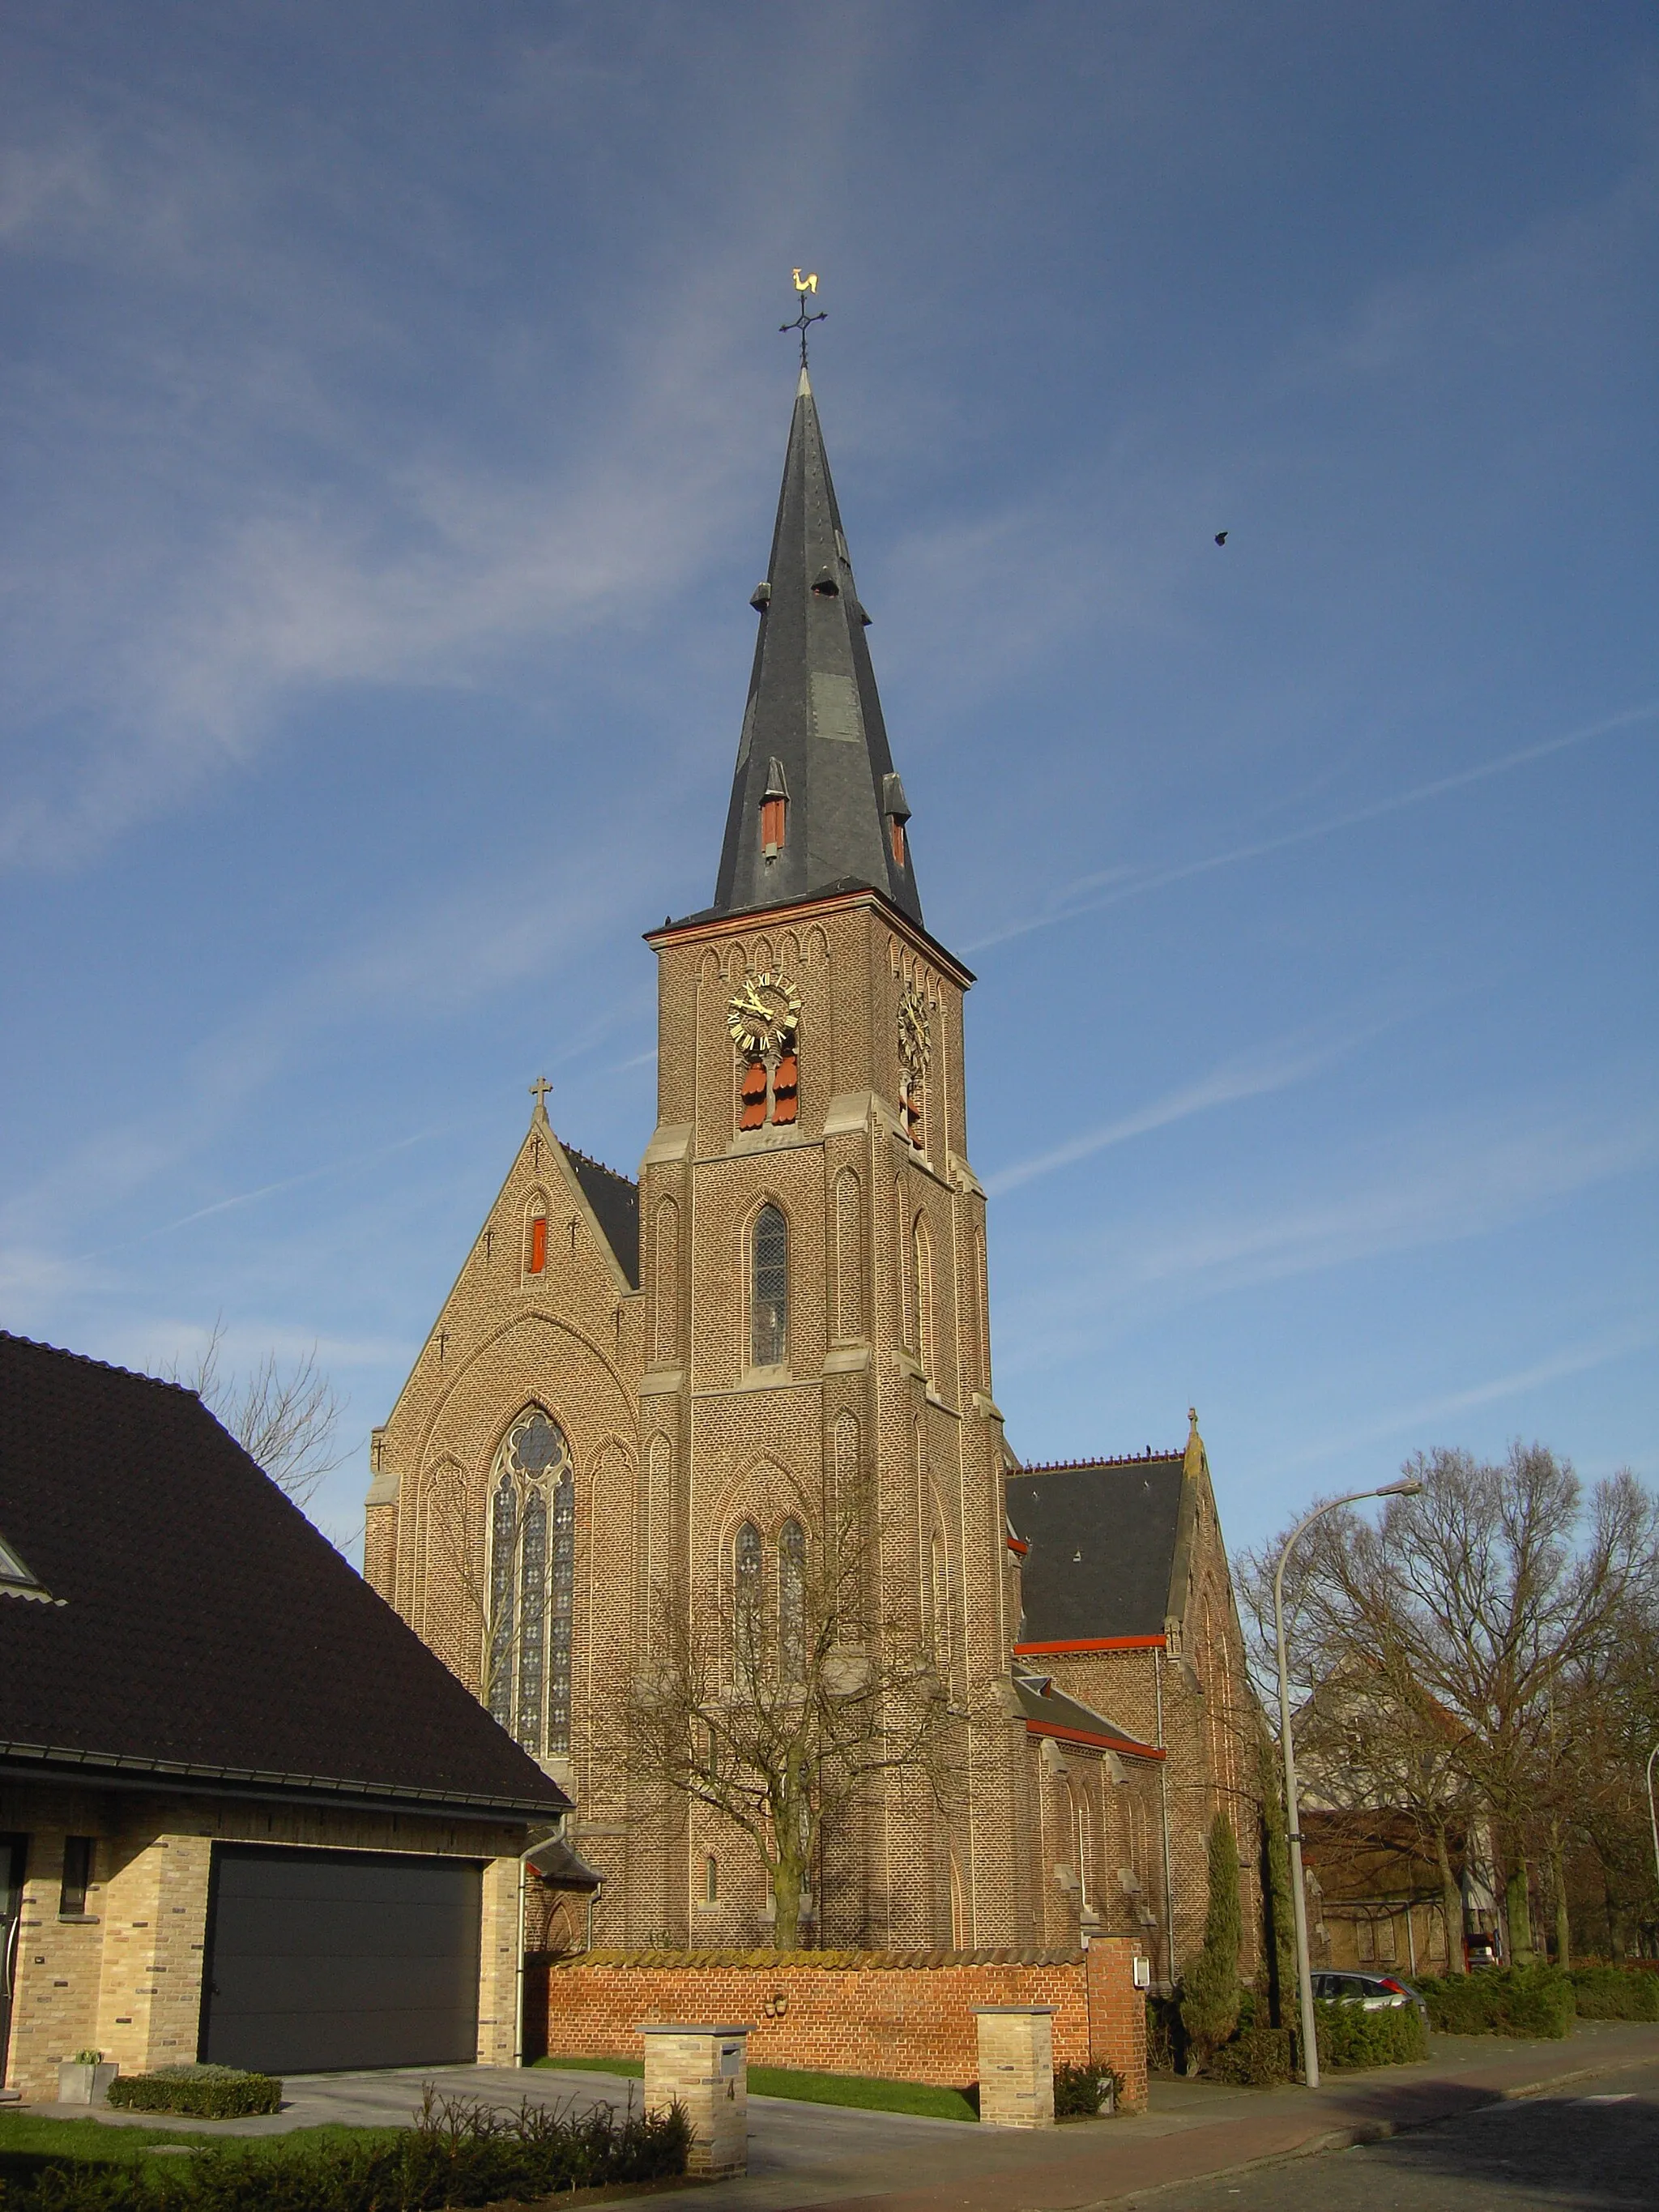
x,y
199,1623
615,1204
1102,1539
1049,1711
813,726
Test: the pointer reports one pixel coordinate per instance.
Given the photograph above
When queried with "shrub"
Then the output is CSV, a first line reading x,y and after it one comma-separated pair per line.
x,y
1614,1993
1082,2092
1393,2035
1210,1993
1514,2000
203,2093
1166,2039
1256,2058
459,2154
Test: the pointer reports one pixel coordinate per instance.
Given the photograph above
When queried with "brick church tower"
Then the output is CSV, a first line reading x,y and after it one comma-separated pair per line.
x,y
814,1237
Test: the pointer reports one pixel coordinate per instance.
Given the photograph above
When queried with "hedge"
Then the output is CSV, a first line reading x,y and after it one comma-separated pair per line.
x,y
1615,1993
203,2093
1349,2035
1528,2001
459,2154
1256,2058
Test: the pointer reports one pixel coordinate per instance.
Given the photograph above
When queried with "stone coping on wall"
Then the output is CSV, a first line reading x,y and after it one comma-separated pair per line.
x,y
832,1961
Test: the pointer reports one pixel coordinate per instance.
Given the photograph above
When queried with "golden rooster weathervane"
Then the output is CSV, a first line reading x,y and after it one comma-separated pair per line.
x,y
803,321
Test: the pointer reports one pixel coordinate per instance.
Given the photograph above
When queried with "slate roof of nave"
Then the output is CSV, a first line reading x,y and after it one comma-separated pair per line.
x,y
198,1630
615,1204
1102,1537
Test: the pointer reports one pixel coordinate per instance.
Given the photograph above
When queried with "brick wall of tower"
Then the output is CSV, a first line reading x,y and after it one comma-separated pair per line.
x,y
762,1446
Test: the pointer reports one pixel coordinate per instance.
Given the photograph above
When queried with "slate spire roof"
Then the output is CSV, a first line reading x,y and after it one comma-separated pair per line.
x,y
812,728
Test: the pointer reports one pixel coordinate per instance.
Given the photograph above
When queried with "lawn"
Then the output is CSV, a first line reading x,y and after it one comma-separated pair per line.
x,y
863,2090
27,2138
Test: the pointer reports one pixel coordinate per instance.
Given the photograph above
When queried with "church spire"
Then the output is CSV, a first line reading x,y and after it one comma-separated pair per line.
x,y
815,803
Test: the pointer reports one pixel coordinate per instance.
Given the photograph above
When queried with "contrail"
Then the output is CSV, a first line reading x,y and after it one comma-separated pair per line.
x,y
1415,797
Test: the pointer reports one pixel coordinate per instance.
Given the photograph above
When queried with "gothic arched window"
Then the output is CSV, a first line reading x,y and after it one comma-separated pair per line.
x,y
768,1316
791,1601
746,1570
531,1581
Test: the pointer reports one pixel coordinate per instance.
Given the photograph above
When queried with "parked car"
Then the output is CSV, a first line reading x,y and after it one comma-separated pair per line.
x,y
1376,1992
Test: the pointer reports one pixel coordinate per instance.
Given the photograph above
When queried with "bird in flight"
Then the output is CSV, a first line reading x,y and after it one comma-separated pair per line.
x,y
1221,537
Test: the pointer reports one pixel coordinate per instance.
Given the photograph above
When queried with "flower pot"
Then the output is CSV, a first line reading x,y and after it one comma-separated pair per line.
x,y
85,2085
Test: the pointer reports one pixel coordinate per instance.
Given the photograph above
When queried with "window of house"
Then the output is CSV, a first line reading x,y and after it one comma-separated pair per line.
x,y
1364,1942
77,1874
769,1290
711,1879
791,1601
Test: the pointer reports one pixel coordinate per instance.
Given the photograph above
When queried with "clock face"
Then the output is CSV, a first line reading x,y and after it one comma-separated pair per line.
x,y
763,1015
916,1038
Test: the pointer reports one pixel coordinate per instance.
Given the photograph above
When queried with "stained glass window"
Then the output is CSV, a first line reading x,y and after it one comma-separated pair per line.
x,y
531,1581
564,1584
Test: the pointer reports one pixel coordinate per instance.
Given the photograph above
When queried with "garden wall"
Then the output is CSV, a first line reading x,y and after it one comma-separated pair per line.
x,y
903,2016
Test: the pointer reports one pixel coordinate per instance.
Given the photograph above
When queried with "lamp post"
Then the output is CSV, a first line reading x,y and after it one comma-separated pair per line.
x,y
1292,1810
1653,1817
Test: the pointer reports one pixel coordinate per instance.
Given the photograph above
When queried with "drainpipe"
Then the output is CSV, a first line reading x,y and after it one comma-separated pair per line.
x,y
1163,1803
524,1858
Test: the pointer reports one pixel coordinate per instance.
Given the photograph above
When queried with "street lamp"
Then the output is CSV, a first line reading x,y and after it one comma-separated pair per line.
x,y
1292,1810
1653,1817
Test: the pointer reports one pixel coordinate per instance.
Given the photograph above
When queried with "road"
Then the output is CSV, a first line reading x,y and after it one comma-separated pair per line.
x,y
1593,2147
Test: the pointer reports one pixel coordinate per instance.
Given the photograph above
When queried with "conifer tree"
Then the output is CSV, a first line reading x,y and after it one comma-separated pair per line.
x,y
1209,1991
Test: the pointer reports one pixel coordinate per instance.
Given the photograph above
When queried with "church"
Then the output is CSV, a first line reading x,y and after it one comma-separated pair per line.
x,y
653,1414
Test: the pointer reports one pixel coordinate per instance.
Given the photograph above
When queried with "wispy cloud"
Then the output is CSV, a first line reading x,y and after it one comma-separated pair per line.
x,y
1255,1076
1435,1183
1110,887
1575,1359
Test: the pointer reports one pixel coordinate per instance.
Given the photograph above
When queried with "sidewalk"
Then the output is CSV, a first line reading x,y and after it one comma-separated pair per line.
x,y
1195,2130
840,2159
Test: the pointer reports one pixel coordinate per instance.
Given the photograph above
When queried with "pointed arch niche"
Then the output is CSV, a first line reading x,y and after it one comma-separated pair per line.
x,y
530,1583
849,1256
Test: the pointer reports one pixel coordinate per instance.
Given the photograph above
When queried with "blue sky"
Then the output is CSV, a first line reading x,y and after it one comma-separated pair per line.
x,y
393,411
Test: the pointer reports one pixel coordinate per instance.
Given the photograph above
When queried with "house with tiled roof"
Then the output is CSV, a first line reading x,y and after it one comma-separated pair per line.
x,y
245,1815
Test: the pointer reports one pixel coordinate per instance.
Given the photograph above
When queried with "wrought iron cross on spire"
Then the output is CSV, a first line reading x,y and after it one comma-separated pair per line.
x,y
803,321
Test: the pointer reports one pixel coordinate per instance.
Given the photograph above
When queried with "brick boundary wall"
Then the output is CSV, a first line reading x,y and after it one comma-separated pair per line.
x,y
901,2015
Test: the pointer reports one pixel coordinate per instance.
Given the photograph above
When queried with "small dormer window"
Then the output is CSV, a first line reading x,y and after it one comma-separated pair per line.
x,y
896,811
775,811
16,1580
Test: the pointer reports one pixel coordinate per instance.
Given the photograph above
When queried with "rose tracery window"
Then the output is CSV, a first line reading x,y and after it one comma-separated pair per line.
x,y
531,1583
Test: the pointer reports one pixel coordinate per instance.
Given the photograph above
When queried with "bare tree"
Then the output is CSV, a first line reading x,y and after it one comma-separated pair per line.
x,y
285,1418
778,1709
1466,1614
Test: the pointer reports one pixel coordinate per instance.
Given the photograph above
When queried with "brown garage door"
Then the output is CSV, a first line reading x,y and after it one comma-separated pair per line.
x,y
321,1960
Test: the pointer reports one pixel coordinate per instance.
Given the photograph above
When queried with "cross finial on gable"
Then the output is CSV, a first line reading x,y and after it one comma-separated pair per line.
x,y
538,1091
